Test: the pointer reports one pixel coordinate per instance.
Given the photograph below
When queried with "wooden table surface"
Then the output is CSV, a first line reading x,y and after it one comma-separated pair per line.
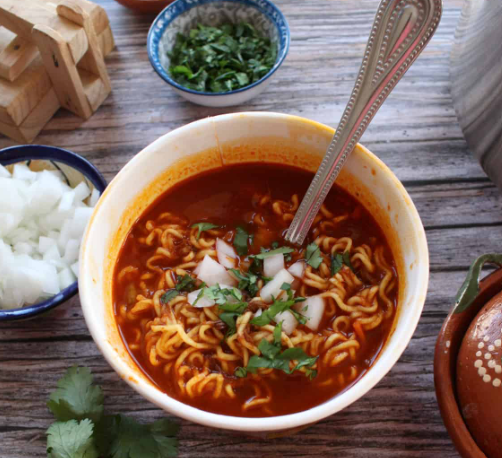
x,y
416,133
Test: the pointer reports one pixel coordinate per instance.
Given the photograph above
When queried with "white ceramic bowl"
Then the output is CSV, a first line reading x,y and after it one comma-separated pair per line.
x,y
247,137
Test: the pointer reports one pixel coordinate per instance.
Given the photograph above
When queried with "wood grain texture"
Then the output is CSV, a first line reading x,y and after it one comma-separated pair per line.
x,y
415,133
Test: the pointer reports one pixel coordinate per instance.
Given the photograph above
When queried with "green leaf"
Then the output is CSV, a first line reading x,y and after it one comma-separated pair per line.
x,y
185,283
267,254
76,397
181,70
313,255
336,264
269,350
241,241
231,311
71,439
247,281
201,294
286,287
221,59
242,78
277,334
338,260
240,372
168,295
281,361
470,288
279,306
131,439
346,260
204,227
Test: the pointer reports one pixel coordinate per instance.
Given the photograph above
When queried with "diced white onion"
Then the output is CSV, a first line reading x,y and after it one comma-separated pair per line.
x,y
273,264
41,225
22,172
75,268
288,321
82,192
313,310
297,269
44,243
94,198
66,201
226,254
66,278
4,173
273,287
212,273
202,302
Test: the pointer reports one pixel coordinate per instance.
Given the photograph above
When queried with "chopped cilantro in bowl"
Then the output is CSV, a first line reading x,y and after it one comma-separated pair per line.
x,y
221,59
218,53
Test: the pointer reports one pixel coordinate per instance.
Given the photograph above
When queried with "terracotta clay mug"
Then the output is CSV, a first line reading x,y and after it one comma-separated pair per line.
x,y
468,364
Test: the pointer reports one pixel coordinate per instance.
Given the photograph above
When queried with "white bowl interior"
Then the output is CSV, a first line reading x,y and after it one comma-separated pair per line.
x,y
234,138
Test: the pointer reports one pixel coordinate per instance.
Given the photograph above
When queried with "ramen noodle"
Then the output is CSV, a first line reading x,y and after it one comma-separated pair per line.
x,y
224,315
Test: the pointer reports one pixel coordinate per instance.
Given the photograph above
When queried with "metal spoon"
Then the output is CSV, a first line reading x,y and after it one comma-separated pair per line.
x,y
400,31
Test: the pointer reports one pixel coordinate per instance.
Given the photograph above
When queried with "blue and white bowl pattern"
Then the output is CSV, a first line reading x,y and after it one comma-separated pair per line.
x,y
183,15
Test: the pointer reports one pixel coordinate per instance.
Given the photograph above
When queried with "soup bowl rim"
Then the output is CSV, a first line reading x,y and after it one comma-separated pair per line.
x,y
384,363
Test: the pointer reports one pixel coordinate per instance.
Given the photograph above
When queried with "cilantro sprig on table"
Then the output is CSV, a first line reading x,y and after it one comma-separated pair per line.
x,y
83,431
221,59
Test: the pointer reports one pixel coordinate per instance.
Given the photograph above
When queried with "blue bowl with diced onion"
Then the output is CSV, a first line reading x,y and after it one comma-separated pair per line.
x,y
183,15
50,189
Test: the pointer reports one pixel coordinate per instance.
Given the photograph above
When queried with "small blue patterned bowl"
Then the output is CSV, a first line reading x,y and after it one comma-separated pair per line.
x,y
75,169
183,15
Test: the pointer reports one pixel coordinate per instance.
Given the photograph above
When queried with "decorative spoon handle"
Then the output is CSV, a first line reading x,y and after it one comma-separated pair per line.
x,y
399,33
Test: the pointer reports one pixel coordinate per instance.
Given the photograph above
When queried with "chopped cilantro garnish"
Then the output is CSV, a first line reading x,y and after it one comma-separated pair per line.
x,y
313,255
185,283
167,296
266,254
204,227
346,260
247,281
221,59
338,260
286,287
231,311
82,431
275,359
241,241
279,306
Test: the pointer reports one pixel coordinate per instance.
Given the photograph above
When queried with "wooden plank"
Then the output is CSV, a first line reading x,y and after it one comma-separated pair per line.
x,y
35,121
21,17
20,97
94,61
16,54
97,13
62,71
94,89
106,43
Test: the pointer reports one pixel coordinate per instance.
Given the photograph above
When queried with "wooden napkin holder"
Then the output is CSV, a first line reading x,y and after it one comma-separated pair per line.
x,y
51,56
